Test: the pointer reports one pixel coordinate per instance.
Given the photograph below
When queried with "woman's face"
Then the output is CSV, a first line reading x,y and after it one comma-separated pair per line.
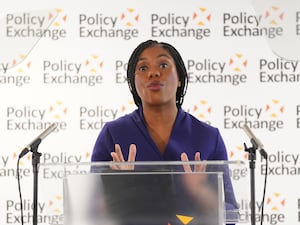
x,y
156,77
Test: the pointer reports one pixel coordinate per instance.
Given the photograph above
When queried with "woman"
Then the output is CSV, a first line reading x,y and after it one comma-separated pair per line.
x,y
159,129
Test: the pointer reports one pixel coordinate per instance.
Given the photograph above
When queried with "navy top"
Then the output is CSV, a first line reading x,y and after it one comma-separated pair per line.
x,y
188,135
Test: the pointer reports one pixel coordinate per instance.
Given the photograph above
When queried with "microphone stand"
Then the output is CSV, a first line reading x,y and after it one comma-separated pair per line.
x,y
252,158
35,162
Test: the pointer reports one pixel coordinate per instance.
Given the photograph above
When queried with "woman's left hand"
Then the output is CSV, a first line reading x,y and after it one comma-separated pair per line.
x,y
118,158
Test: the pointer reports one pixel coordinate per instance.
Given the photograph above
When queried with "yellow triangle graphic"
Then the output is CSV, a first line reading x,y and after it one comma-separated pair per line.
x,y
185,219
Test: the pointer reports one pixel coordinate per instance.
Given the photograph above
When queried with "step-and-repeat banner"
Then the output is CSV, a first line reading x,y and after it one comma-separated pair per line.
x,y
65,62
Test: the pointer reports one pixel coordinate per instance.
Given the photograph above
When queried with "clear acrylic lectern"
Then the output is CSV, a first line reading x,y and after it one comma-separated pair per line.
x,y
145,193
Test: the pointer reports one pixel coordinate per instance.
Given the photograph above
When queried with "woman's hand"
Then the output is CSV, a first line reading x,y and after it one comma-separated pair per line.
x,y
193,180
118,158
195,183
199,167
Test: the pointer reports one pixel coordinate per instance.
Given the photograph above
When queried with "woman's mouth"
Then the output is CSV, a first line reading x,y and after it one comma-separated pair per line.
x,y
155,85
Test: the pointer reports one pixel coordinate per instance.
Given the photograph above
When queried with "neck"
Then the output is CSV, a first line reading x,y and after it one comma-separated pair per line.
x,y
160,115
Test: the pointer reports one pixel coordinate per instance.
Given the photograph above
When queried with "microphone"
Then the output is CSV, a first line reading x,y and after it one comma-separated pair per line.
x,y
255,141
38,139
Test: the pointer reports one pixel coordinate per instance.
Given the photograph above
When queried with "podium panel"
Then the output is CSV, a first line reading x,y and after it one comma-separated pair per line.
x,y
144,193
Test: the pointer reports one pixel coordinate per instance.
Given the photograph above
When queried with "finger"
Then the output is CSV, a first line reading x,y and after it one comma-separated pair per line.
x,y
113,167
186,167
202,167
115,157
119,153
197,162
199,167
132,153
197,156
115,160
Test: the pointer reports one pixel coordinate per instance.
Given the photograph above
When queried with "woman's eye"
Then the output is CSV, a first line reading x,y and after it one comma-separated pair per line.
x,y
164,65
142,68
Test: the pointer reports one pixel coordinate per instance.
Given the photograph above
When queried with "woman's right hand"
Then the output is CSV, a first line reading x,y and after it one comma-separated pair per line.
x,y
118,158
195,182
194,179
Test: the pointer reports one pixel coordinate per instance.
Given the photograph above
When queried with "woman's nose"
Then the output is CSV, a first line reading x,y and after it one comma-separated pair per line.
x,y
154,73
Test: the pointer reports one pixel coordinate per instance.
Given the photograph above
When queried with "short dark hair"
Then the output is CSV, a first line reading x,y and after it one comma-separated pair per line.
x,y
180,67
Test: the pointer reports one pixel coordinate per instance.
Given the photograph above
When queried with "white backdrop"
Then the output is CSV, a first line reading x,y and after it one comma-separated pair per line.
x,y
65,62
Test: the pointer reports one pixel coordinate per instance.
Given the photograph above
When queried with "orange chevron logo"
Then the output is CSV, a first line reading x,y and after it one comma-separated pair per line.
x,y
202,16
184,219
274,15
